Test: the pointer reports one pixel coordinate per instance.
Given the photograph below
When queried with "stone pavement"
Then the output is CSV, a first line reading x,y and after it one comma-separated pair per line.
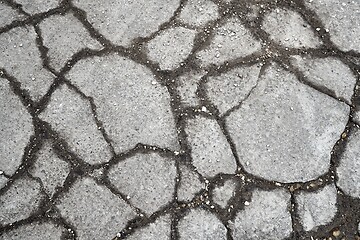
x,y
180,119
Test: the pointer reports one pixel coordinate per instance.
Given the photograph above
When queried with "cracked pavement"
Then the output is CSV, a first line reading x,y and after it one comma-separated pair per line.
x,y
180,119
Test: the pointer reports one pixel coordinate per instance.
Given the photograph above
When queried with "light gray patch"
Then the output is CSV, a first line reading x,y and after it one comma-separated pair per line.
x,y
317,208
201,224
8,15
148,180
50,169
188,84
35,231
171,47
38,6
95,212
121,21
132,106
21,58
64,36
348,169
3,181
289,29
329,72
158,230
341,19
222,194
197,13
285,130
266,217
71,116
15,129
211,153
19,201
190,184
231,40
229,89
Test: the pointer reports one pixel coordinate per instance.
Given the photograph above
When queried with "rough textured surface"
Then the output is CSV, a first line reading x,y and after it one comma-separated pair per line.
x,y
281,114
289,29
211,153
160,229
74,121
8,15
270,208
348,170
35,231
222,194
128,102
37,6
87,201
153,176
20,57
122,21
188,84
171,47
190,184
200,224
317,208
3,181
198,12
15,129
342,21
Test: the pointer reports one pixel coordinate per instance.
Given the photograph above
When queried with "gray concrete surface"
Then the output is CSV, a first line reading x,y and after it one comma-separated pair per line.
x,y
180,119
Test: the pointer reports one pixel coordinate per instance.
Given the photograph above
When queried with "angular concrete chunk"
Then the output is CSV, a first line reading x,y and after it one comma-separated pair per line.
x,y
289,29
328,72
230,41
50,168
19,201
121,21
211,153
342,21
70,115
158,230
285,130
222,194
20,57
317,208
171,47
198,12
229,89
133,109
94,211
64,35
38,6
188,85
266,217
147,179
348,169
190,184
8,15
35,231
200,224
15,129
3,181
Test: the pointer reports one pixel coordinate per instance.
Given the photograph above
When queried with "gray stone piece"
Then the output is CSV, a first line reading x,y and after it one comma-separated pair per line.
x,y
35,231
229,89
37,6
341,19
197,13
222,194
211,153
274,128
348,169
289,29
94,211
50,169
356,116
231,40
200,224
190,184
20,57
317,208
3,181
188,85
266,217
64,35
328,72
121,21
70,115
19,201
15,129
171,47
158,230
131,105
8,15
148,180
